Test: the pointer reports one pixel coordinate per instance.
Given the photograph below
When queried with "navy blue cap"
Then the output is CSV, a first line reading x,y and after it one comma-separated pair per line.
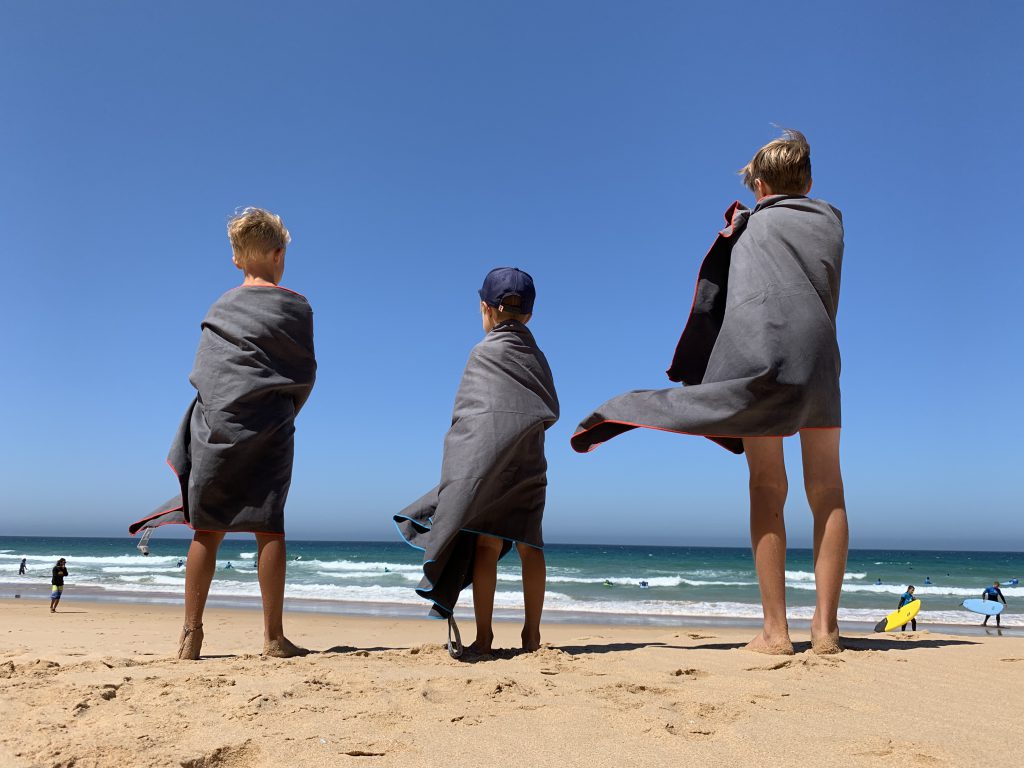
x,y
502,282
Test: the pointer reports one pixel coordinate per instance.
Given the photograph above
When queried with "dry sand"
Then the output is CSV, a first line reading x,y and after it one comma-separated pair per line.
x,y
94,685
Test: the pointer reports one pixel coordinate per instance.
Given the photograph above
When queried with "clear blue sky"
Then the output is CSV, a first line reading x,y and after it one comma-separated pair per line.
x,y
410,147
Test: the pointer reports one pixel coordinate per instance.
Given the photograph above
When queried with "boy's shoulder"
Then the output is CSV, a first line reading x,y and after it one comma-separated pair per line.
x,y
796,204
504,338
263,295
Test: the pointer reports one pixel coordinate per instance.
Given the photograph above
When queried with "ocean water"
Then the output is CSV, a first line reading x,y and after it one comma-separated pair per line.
x,y
686,584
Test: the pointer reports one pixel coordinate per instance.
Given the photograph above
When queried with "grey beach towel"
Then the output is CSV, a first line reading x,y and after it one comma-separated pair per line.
x,y
758,356
253,372
493,474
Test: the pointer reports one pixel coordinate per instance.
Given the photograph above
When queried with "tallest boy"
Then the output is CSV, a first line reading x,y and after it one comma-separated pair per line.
x,y
760,361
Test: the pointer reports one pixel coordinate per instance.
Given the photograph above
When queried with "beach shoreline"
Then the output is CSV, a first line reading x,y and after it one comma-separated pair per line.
x,y
95,685
464,613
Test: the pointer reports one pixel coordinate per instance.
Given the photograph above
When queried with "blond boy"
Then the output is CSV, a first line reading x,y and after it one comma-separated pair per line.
x,y
253,371
760,360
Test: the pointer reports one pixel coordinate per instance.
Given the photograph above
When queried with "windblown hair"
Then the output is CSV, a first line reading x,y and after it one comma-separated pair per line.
x,y
783,164
254,232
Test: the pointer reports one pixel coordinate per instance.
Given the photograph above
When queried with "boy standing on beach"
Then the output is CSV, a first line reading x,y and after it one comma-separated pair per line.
x,y
233,453
760,360
494,474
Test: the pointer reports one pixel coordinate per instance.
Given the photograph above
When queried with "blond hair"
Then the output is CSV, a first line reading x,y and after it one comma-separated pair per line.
x,y
254,232
783,164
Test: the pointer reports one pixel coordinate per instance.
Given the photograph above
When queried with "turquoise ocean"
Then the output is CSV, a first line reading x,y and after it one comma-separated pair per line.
x,y
686,585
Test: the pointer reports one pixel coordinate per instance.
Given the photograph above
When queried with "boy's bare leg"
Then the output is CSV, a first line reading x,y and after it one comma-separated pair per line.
x,y
534,584
272,555
768,489
485,581
823,482
199,568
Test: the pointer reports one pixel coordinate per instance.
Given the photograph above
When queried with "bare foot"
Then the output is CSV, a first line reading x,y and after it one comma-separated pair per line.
x,y
781,646
531,640
190,642
826,643
482,644
282,648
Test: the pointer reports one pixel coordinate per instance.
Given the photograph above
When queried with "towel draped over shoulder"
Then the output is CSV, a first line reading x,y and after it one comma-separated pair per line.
x,y
233,452
758,355
493,474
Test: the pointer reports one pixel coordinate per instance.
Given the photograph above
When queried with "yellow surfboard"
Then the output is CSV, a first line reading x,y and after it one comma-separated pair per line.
x,y
900,617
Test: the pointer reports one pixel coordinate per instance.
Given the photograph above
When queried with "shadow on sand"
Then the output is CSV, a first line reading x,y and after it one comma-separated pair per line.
x,y
855,644
576,650
353,649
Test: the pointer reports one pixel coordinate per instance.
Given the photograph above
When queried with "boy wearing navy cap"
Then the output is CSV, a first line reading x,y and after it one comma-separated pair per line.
x,y
494,474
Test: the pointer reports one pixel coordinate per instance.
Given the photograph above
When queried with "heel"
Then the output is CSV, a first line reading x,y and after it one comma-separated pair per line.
x,y
825,645
191,643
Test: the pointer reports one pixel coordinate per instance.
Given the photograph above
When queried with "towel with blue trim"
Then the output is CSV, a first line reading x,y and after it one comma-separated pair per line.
x,y
493,474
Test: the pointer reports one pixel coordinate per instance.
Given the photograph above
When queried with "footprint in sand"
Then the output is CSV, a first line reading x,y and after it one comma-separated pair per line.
x,y
902,751
231,756
691,673
797,663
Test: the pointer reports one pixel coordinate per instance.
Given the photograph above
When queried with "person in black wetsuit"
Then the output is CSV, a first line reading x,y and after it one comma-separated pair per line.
x,y
23,567
993,593
57,583
908,597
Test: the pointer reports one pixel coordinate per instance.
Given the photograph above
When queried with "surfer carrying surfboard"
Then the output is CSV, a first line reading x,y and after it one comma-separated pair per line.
x,y
908,597
993,593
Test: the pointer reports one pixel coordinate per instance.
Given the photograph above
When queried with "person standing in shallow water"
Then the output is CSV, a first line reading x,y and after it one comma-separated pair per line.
x,y
23,567
996,594
60,571
759,359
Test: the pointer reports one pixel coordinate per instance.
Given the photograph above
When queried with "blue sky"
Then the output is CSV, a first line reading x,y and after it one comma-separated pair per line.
x,y
412,146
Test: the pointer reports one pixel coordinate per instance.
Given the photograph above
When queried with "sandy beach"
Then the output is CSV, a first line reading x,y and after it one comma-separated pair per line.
x,y
95,685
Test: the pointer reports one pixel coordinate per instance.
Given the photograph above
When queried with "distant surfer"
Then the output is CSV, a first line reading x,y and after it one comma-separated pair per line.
x,y
927,581
908,597
644,585
878,582
180,563
993,593
228,566
57,583
23,567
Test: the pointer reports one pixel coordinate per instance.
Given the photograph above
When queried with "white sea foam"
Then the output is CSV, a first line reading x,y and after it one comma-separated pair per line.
x,y
247,555
632,581
73,560
809,576
356,565
408,576
891,589
138,569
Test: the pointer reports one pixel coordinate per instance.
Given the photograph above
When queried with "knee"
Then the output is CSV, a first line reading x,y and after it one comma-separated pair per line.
x,y
773,484
488,545
825,494
529,554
